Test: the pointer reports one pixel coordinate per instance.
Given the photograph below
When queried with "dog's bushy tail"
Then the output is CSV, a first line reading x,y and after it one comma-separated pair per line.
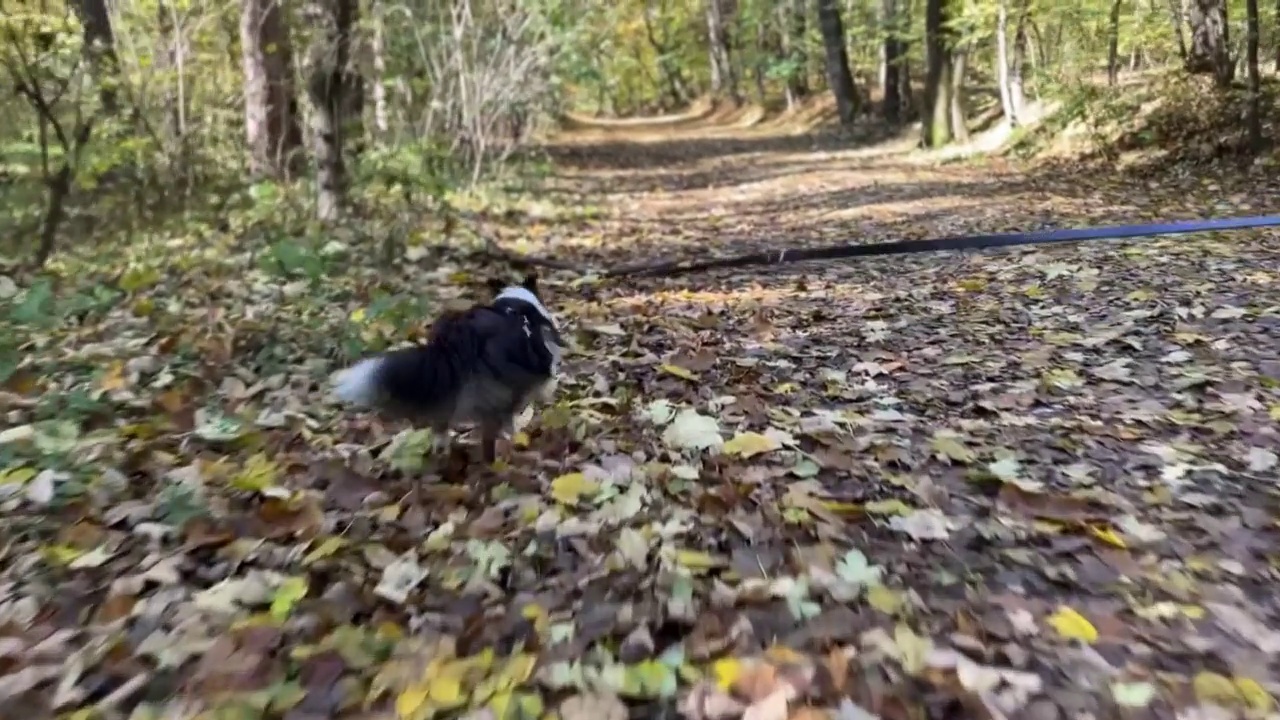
x,y
362,384
422,381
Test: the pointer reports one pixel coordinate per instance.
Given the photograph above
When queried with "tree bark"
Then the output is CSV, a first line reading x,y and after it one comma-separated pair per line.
x,y
798,49
1176,18
1017,89
724,75
1254,119
100,49
1002,62
1210,51
839,76
894,58
1277,35
959,63
330,84
271,107
381,113
936,118
1113,44
672,78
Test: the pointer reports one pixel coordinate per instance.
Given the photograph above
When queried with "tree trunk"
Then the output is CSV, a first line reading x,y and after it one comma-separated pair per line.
x,y
100,49
936,117
796,39
381,116
330,82
724,76
271,108
673,85
1176,17
1017,68
959,128
839,76
1113,44
1255,81
894,59
1002,63
1210,51
1276,21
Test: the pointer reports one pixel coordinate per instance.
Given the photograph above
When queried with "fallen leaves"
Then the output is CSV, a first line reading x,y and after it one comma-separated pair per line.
x,y
1022,483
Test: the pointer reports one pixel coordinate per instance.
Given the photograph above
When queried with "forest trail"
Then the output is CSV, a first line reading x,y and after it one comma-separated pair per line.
x,y
1030,483
1058,463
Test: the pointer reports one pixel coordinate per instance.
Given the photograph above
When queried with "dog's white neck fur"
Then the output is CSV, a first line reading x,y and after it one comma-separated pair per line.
x,y
525,296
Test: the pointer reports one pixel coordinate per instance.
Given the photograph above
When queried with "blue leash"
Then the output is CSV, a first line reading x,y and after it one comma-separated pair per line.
x,y
955,242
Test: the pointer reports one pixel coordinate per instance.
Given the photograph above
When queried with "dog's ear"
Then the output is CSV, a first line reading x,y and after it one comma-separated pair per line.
x,y
496,285
530,283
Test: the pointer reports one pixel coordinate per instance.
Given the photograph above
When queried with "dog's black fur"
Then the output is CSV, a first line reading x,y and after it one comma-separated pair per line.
x,y
483,366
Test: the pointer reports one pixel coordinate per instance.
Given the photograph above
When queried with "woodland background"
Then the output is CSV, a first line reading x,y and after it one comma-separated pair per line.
x,y
119,111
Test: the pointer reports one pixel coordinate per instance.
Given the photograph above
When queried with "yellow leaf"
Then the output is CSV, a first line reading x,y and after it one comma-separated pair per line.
x,y
287,596
884,599
519,668
1274,412
410,701
358,315
783,655
785,388
748,444
1107,535
569,488
888,507
445,689
257,475
695,560
1210,687
677,371
1073,626
914,649
726,672
17,476
520,439
326,549
953,448
61,554
1254,695
113,378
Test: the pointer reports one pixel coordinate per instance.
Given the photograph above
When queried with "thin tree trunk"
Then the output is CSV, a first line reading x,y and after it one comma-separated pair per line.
x,y
1017,68
1210,41
381,117
330,81
100,48
1276,22
797,49
723,73
1002,62
936,127
839,76
894,58
1255,81
1176,17
959,128
272,128
906,94
1113,44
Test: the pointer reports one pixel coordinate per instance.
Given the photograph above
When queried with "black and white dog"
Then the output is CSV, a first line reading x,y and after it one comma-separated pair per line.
x,y
481,366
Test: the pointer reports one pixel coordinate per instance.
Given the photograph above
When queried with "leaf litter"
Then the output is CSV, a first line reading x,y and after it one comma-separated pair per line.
x,y
1037,483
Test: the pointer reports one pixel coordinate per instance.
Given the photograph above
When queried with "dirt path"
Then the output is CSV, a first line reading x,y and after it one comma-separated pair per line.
x,y
1038,482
